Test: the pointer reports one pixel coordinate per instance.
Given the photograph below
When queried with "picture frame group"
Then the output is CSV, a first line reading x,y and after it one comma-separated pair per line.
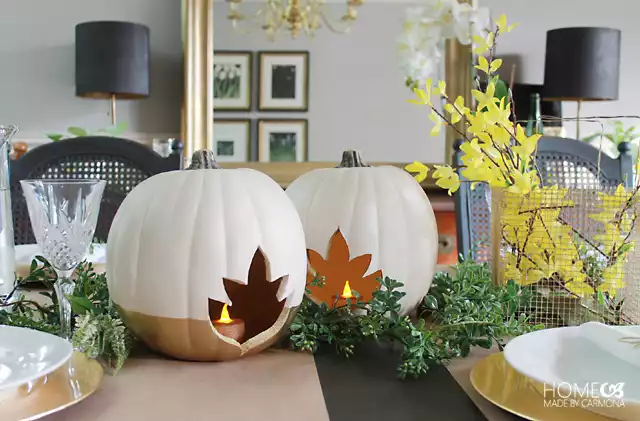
x,y
282,85
283,81
277,140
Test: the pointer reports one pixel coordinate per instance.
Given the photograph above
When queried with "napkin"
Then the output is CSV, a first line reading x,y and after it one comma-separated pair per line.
x,y
622,342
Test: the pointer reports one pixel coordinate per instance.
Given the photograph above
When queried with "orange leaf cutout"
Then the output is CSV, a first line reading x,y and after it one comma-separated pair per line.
x,y
337,269
256,303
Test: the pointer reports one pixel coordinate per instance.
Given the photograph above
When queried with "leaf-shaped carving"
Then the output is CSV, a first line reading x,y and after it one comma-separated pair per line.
x,y
338,268
256,303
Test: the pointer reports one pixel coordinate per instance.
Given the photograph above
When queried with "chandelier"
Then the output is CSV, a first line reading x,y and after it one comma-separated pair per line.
x,y
294,16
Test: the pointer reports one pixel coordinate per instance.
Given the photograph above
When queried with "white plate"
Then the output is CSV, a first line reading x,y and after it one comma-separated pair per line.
x,y
26,252
26,355
564,358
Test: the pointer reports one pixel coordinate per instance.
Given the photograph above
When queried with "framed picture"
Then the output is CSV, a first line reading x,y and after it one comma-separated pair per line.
x,y
284,81
232,139
282,140
232,81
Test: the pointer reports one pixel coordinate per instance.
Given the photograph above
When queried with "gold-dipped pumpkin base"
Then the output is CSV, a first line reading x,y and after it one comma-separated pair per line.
x,y
198,340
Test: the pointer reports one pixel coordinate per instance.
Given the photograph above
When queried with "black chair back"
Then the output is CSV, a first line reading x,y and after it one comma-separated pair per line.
x,y
122,163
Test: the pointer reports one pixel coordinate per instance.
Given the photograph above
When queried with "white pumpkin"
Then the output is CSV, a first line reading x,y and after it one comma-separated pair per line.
x,y
175,238
380,211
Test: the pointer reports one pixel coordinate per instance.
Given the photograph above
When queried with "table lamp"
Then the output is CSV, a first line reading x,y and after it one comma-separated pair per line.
x,y
112,61
582,64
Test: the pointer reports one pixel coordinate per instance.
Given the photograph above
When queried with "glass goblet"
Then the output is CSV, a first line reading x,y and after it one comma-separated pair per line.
x,y
63,216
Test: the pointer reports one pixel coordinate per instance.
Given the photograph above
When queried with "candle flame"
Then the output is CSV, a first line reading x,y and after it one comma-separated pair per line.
x,y
224,315
346,291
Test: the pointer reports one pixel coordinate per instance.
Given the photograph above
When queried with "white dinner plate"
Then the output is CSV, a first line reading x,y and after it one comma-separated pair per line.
x,y
565,361
26,355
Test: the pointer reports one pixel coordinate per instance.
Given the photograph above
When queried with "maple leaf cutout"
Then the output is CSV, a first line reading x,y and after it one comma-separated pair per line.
x,y
339,268
256,303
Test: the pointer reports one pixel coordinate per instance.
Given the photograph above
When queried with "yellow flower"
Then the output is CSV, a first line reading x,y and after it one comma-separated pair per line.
x,y
527,145
616,201
483,64
457,109
472,153
424,98
502,24
441,90
626,222
581,289
495,65
438,123
490,40
522,182
424,95
491,151
497,114
497,178
613,278
535,272
610,238
547,197
446,178
606,216
485,98
511,271
481,45
419,168
477,124
500,136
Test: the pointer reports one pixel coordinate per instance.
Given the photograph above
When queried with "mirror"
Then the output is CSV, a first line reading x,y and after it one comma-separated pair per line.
x,y
307,99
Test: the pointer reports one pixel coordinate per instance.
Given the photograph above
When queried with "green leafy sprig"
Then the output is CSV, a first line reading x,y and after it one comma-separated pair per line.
x,y
74,131
98,330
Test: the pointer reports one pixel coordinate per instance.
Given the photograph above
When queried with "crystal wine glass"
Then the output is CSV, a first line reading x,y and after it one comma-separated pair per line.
x,y
63,215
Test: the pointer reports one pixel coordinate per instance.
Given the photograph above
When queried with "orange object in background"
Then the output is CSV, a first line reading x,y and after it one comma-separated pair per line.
x,y
19,149
445,211
447,240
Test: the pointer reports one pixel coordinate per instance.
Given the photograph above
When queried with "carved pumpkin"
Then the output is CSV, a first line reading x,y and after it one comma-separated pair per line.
x,y
364,222
184,243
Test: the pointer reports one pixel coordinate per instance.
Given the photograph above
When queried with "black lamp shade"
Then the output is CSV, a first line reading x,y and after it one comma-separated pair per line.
x,y
582,64
112,59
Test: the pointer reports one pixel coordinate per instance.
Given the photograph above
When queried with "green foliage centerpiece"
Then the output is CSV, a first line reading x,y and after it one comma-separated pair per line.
x,y
461,311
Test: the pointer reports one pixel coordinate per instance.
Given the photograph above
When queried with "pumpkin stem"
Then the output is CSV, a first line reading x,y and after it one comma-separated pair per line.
x,y
352,159
203,160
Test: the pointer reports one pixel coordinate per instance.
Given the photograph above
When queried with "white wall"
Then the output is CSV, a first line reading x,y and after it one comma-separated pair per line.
x,y
529,40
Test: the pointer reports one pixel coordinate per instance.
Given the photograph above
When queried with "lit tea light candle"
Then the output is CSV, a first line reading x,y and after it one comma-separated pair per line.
x,y
226,326
347,294
346,291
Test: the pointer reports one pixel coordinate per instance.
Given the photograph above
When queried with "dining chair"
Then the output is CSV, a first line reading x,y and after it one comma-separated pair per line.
x,y
122,163
569,163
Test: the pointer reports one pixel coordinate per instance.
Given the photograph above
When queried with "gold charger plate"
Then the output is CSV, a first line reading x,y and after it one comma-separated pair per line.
x,y
495,380
66,386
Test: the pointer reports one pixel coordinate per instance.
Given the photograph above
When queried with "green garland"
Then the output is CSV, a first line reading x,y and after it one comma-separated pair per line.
x,y
460,312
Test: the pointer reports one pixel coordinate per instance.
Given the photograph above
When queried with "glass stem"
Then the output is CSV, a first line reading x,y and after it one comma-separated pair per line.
x,y
64,286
